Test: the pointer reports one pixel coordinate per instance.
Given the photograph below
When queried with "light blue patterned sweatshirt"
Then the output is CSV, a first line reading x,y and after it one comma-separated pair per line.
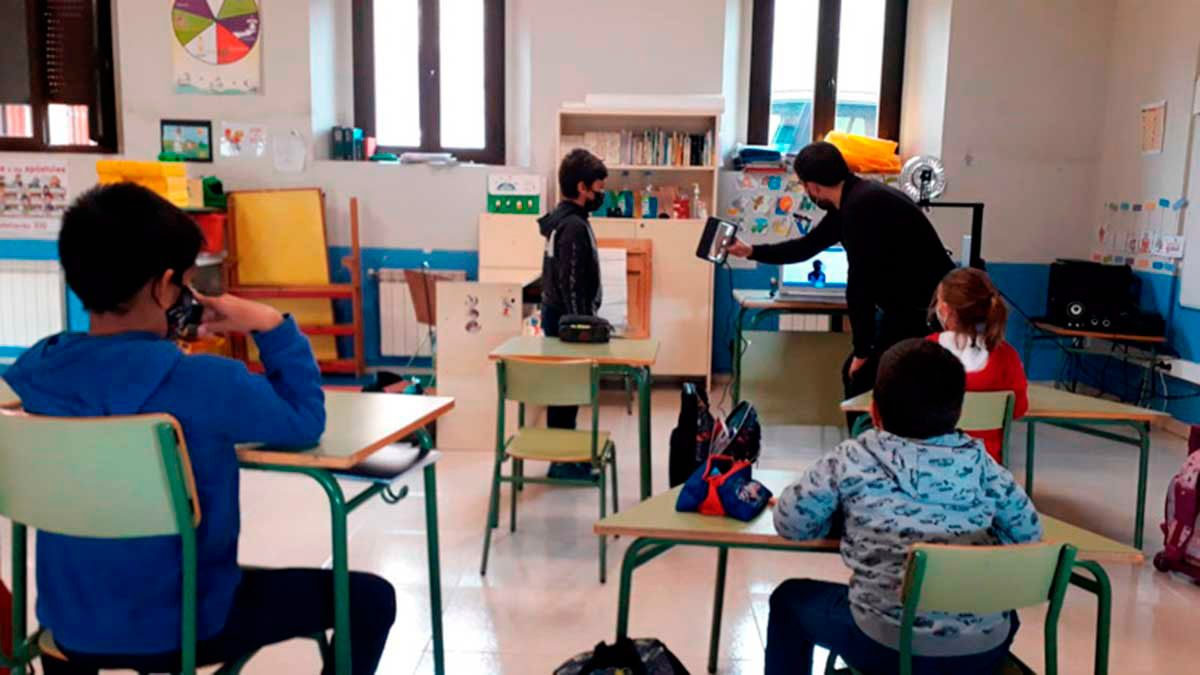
x,y
894,492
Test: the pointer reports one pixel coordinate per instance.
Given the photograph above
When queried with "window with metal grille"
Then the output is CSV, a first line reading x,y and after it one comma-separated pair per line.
x,y
56,76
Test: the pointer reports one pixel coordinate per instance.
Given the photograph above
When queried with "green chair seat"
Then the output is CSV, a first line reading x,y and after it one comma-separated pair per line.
x,y
555,445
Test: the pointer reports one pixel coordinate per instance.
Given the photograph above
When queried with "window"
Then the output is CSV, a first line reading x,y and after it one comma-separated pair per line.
x,y
818,65
56,76
428,85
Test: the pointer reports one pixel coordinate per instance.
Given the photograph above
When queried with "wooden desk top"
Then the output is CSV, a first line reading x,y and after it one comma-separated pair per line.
x,y
1046,402
657,517
618,352
356,426
8,397
753,299
1118,337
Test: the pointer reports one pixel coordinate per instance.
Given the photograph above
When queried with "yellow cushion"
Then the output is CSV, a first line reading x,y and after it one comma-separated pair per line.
x,y
556,445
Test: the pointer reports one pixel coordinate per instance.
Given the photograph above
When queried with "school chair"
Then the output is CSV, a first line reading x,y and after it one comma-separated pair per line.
x,y
981,411
532,382
106,478
946,579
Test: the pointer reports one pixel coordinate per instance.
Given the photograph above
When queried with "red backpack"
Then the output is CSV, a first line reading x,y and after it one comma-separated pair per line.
x,y
1182,552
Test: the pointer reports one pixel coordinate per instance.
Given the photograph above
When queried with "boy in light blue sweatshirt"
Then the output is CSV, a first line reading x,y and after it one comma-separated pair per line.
x,y
128,254
912,479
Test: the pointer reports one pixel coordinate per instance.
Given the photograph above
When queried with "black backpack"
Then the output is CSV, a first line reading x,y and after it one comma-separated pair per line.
x,y
625,657
692,437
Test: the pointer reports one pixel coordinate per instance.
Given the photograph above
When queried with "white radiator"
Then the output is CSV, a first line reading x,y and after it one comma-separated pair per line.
x,y
399,332
32,301
805,323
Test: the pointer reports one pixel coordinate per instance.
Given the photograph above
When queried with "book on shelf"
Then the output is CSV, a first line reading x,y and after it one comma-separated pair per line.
x,y
650,147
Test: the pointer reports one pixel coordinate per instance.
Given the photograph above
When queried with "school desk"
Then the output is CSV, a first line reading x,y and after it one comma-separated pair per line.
x,y
8,398
359,429
1083,414
761,305
656,527
1074,343
627,358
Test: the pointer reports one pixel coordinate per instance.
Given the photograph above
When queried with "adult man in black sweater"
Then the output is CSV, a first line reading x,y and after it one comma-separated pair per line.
x,y
571,267
896,258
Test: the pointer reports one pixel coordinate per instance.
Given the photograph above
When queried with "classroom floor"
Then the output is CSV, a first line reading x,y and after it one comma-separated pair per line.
x,y
541,601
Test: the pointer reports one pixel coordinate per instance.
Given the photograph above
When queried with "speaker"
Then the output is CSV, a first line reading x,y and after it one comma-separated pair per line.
x,y
1086,295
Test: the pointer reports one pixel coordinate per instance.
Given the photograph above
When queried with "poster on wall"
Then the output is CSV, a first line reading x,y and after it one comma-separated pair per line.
x,y
33,196
216,48
242,140
1153,126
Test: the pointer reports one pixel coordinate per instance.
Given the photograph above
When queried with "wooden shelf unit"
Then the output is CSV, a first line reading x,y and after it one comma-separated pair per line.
x,y
356,364
681,288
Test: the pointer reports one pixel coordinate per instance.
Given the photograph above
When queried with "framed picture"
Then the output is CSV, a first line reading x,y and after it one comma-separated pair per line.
x,y
190,140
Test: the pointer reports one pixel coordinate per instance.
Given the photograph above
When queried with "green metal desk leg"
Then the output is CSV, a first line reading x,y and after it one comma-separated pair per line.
x,y
737,355
1103,590
435,568
634,558
1143,429
714,639
643,375
1030,440
341,569
20,593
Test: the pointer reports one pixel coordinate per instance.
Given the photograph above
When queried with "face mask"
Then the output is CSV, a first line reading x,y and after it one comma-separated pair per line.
x,y
184,316
595,202
824,204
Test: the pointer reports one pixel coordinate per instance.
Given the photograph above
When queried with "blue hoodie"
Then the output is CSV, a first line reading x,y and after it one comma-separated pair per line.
x,y
123,596
895,492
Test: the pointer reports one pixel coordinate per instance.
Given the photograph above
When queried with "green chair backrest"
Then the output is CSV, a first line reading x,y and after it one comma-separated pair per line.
x,y
549,382
985,580
104,477
986,410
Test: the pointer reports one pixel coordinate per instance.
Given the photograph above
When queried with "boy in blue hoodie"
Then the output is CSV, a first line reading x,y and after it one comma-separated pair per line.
x,y
912,479
127,253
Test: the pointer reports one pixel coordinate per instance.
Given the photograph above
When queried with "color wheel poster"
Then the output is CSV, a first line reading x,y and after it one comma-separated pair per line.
x,y
216,46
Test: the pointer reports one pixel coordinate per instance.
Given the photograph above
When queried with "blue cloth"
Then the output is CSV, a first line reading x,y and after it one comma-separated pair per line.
x,y
805,613
106,596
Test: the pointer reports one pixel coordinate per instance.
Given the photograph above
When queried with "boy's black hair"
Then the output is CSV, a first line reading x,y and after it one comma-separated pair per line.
x,y
821,163
919,389
115,238
579,165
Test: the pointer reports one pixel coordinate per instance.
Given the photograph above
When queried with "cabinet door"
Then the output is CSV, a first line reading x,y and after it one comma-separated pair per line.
x,y
615,228
682,298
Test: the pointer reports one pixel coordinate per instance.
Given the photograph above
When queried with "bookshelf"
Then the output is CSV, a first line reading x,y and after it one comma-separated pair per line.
x,y
681,288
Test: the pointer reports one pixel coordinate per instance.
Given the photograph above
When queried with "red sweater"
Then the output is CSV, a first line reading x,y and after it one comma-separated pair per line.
x,y
999,370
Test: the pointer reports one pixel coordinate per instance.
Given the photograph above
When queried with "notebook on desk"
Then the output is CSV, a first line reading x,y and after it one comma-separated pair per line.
x,y
821,278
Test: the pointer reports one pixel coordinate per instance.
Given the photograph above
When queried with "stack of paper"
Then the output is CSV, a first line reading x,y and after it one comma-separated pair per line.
x,y
615,306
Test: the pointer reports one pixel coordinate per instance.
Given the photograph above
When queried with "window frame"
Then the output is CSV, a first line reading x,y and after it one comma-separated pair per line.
x,y
105,109
429,82
824,102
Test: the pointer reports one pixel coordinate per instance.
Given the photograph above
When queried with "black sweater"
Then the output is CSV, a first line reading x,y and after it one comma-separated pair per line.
x,y
570,263
896,258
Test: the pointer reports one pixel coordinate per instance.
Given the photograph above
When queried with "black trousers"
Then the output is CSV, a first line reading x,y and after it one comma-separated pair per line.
x,y
270,606
892,327
557,416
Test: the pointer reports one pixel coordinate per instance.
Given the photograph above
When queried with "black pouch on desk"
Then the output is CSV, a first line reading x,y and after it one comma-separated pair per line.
x,y
584,329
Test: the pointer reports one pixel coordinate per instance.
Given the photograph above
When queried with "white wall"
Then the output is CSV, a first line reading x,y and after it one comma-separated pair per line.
x,y
1023,120
926,59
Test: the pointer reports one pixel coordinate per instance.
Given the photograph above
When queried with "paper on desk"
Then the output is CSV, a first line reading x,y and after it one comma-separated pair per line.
x,y
615,305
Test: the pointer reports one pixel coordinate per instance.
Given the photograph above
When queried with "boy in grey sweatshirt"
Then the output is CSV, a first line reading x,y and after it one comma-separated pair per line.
x,y
912,479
